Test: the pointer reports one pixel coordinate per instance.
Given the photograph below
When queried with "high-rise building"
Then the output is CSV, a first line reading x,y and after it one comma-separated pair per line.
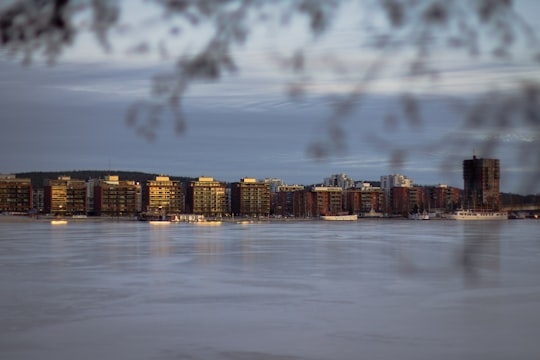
x,y
250,197
206,196
481,180
114,197
163,196
15,194
64,196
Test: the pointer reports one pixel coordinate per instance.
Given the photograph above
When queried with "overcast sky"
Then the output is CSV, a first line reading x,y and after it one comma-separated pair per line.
x,y
72,116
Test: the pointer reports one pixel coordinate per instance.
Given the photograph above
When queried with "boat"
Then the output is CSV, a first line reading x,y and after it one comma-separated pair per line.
x,y
339,217
419,216
478,215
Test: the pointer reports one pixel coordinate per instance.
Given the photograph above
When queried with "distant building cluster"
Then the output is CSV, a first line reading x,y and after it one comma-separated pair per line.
x,y
338,194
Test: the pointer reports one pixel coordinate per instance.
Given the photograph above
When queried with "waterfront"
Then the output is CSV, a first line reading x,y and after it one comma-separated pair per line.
x,y
380,289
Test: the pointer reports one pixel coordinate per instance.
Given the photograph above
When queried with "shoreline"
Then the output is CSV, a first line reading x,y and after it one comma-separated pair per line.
x,y
229,220
239,220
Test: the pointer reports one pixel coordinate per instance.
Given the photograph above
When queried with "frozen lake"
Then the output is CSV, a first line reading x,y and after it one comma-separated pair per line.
x,y
273,291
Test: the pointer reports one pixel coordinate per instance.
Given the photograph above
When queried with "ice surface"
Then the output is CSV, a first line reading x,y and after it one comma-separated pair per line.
x,y
296,290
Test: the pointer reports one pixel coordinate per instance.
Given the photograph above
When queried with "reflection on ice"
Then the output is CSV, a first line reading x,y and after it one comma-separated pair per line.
x,y
305,290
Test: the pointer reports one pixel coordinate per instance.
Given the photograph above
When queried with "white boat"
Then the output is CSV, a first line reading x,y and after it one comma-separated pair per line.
x,y
419,216
339,217
478,215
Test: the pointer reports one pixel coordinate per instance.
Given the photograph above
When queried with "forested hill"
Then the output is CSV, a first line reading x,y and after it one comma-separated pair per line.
x,y
38,177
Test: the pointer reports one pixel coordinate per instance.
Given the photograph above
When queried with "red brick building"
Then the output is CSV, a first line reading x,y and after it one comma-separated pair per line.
x,y
283,203
443,198
318,201
362,201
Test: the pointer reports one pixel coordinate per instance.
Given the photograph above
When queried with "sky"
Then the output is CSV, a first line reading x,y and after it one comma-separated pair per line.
x,y
72,115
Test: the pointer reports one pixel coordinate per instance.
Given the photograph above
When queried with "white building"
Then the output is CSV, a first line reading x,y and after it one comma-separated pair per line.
x,y
340,180
395,180
274,184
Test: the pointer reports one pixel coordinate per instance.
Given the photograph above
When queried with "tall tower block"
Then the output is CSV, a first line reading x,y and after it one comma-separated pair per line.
x,y
481,180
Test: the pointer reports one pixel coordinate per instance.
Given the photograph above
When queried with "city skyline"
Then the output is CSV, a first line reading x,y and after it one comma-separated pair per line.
x,y
75,114
321,181
339,179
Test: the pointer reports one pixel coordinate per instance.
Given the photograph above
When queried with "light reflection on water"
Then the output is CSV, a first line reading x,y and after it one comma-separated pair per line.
x,y
299,290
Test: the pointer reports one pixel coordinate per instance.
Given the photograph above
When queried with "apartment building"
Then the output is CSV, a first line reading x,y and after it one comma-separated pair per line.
x,y
284,199
250,197
365,200
206,196
318,201
443,198
15,194
340,180
115,197
64,196
395,180
163,196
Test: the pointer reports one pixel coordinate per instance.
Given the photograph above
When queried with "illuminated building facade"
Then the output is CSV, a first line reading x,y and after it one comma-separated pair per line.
x,y
15,194
206,196
114,197
163,196
250,197
64,196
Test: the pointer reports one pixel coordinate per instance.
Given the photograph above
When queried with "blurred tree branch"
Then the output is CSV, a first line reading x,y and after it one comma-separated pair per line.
x,y
420,29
